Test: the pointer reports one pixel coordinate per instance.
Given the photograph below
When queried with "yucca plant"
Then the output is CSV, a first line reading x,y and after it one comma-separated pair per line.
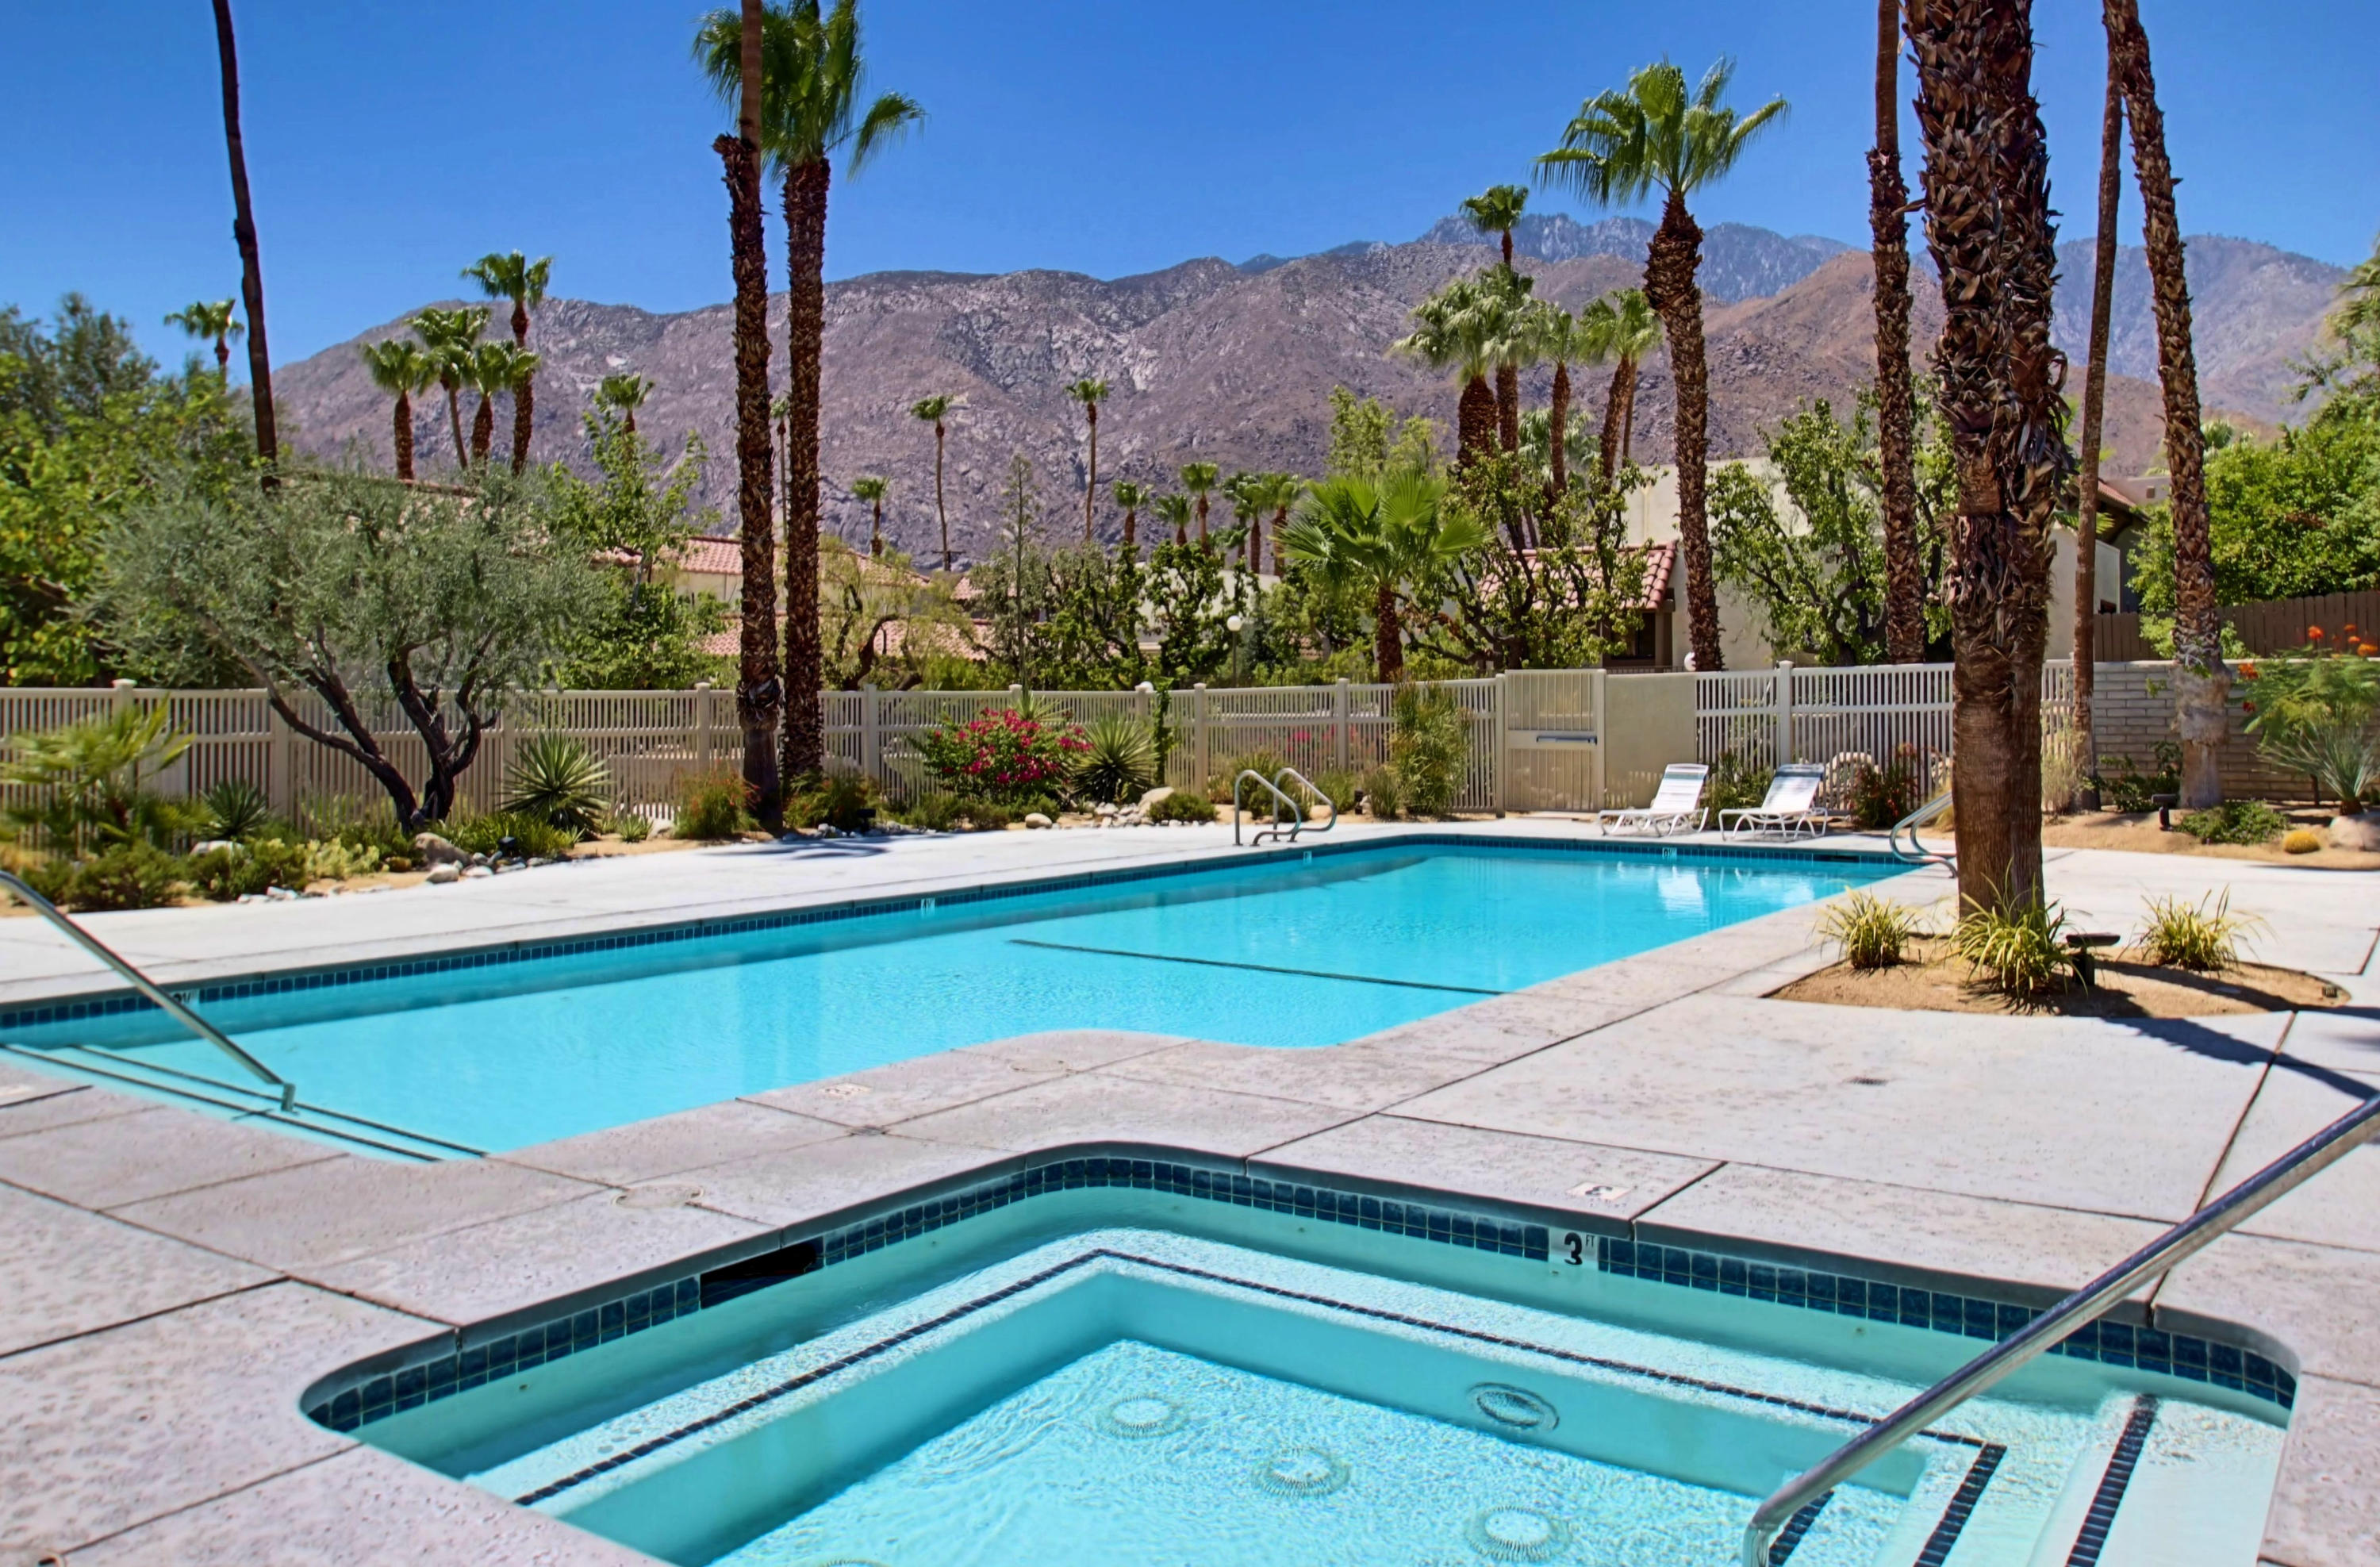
x,y
236,809
2194,936
1121,760
2018,951
558,780
1870,930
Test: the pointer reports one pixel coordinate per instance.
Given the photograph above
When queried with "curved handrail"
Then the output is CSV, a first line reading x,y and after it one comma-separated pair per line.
x,y
141,983
1310,788
1917,853
2243,1201
1280,801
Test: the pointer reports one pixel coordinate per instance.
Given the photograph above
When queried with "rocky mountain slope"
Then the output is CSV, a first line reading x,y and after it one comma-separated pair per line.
x,y
1234,364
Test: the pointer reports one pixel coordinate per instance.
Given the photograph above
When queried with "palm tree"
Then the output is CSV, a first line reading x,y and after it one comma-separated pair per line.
x,y
1450,332
1623,329
2202,680
1562,339
1278,493
813,80
1622,145
1987,225
1376,539
452,337
514,276
1091,393
1247,510
1174,509
624,394
400,367
1131,497
211,318
1495,211
729,47
1509,322
2095,416
243,232
1896,398
1198,478
933,410
495,368
870,488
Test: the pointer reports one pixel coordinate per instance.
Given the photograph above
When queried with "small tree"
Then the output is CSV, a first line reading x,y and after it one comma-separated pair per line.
x,y
638,634
1570,599
367,593
881,621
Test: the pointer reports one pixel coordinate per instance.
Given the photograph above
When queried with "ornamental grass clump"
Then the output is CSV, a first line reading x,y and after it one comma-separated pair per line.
x,y
2016,951
2194,936
712,805
1869,930
2235,821
1005,756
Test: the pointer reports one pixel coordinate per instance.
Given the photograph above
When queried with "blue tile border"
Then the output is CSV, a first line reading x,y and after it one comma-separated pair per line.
x,y
75,1009
365,1398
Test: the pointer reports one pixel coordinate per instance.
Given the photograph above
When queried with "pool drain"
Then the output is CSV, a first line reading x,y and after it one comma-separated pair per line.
x,y
1143,1414
1517,1534
1302,1471
1514,1408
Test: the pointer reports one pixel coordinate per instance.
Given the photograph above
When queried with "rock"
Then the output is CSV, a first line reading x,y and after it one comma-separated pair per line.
x,y
2360,831
1162,792
280,894
210,845
1035,818
429,848
1102,808
479,862
478,871
442,874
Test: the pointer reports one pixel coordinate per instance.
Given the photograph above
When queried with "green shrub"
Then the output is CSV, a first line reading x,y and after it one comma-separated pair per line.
x,y
847,802
87,784
2123,787
936,810
2181,935
254,865
1120,762
1264,761
2019,953
1009,754
2235,821
335,861
2312,712
359,824
1383,797
532,838
629,827
993,816
712,805
1183,805
1430,746
560,782
1336,784
133,875
236,809
1882,795
1736,784
1870,930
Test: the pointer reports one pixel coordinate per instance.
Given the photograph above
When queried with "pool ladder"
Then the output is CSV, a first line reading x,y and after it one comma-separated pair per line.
x,y
1281,826
2046,1331
1917,853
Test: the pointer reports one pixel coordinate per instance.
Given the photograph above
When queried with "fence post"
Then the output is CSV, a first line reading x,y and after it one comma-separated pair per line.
x,y
1341,704
1784,711
870,747
1597,681
1500,736
1198,760
702,693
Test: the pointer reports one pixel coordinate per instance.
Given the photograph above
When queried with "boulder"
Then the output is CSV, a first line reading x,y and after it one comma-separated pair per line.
x,y
1035,818
2360,831
442,874
1162,792
209,846
430,849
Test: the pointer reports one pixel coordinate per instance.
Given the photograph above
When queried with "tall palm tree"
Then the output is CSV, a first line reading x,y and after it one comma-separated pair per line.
x,y
1278,493
1987,225
1131,497
814,110
514,276
1896,397
400,367
243,233
933,410
1561,340
1654,135
1176,510
1509,322
1247,510
729,47
1199,478
207,319
870,488
1378,537
2095,416
2202,680
1452,332
1620,328
1090,392
624,394
452,337
497,368
1496,211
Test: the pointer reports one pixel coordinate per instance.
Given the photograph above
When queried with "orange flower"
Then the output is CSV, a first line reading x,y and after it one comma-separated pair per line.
x,y
2368,648
2313,633
2247,670
2247,707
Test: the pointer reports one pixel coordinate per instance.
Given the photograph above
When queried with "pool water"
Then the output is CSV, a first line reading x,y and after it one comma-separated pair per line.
x,y
1280,953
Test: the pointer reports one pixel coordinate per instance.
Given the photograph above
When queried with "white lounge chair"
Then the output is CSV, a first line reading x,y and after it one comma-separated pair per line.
x,y
1677,805
1790,808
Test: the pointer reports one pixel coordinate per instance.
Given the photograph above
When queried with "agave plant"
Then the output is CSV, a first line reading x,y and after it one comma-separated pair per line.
x,y
236,809
1121,760
556,780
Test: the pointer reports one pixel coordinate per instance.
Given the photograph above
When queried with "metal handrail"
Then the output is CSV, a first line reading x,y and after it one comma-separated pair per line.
x,y
1918,853
1303,824
1280,800
2251,1196
141,983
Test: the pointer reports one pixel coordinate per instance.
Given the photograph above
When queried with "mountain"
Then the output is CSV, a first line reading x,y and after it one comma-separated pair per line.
x,y
1738,261
1235,364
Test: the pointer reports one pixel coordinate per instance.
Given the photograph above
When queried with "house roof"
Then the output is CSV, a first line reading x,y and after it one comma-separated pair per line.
x,y
1660,561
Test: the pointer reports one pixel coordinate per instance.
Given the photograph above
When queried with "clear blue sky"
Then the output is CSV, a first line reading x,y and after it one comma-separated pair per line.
x,y
389,143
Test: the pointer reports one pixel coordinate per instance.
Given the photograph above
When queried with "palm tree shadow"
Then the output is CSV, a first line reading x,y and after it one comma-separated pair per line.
x,y
826,848
2195,1036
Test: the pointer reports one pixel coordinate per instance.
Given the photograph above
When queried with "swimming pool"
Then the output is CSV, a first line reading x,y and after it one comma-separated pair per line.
x,y
1139,1363
500,1050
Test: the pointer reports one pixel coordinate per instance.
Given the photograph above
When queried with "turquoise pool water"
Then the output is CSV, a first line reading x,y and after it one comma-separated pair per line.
x,y
1287,955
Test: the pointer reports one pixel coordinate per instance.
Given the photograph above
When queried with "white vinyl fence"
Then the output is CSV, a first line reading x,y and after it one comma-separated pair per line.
x,y
1763,717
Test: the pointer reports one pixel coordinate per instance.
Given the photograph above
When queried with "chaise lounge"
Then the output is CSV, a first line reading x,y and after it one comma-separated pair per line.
x,y
1677,805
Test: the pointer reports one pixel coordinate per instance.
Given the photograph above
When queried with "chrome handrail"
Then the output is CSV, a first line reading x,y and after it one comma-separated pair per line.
x,y
141,983
1280,801
2251,1196
1311,788
1918,853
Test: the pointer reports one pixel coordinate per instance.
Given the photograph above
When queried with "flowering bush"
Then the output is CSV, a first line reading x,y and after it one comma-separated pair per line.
x,y
2314,712
1003,756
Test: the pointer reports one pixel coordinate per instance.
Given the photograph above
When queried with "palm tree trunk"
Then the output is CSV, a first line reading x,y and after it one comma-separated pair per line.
x,y
1131,526
2094,414
243,231
1557,426
1905,573
759,690
1614,403
1987,225
524,394
455,419
1476,417
876,535
939,510
1202,516
802,751
483,430
223,359
2202,680
1092,484
1670,289
1508,408
405,437
1388,635
1280,521
1628,411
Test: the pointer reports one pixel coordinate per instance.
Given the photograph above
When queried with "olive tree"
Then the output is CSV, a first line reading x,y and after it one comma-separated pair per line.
x,y
389,602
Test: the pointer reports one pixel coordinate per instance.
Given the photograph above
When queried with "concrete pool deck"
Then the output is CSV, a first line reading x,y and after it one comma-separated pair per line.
x,y
171,1283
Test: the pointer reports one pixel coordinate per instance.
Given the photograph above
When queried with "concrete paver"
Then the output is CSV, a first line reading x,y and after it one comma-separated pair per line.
x,y
645,1150
2326,1503
1366,1076
70,1271
883,1096
38,1112
800,1186
2341,1205
1095,1107
2315,1300
84,1162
